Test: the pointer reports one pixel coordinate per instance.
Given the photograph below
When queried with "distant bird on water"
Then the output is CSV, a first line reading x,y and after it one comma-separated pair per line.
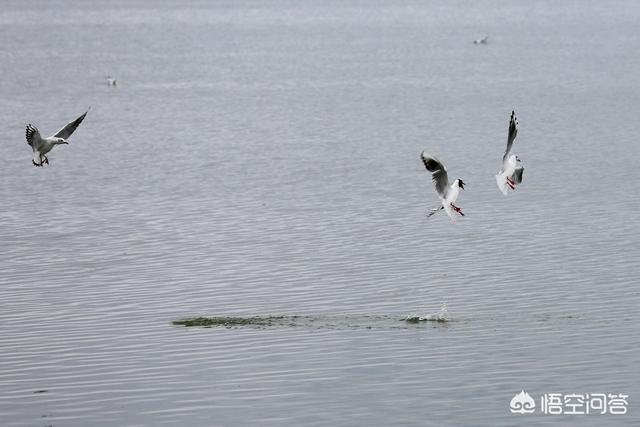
x,y
512,169
41,146
448,193
111,81
483,40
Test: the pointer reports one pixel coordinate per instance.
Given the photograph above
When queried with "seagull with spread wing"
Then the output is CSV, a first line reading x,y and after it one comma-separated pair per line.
x,y
448,193
512,169
41,146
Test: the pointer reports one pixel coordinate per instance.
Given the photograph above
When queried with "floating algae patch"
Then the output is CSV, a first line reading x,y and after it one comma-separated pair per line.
x,y
229,322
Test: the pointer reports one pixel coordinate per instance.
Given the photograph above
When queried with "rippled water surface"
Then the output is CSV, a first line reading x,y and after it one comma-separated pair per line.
x,y
261,158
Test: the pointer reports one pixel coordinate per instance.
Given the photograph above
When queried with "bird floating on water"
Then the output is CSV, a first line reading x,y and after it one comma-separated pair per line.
x,y
483,40
512,169
448,193
41,146
111,81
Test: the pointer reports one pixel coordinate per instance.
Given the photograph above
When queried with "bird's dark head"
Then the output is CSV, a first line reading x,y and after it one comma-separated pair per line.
x,y
61,141
461,183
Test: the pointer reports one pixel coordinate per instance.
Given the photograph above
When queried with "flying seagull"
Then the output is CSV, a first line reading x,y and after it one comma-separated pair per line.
x,y
512,169
41,146
448,193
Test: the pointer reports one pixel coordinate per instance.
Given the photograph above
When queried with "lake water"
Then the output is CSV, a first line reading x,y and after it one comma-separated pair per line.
x,y
263,158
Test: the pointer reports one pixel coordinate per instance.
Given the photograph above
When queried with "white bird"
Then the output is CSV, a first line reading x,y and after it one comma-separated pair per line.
x,y
448,193
512,169
483,40
111,81
41,146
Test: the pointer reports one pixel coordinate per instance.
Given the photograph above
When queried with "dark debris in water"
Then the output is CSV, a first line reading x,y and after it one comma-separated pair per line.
x,y
417,319
316,322
40,391
229,322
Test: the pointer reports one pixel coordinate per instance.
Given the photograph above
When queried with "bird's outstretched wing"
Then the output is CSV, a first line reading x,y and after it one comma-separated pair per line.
x,y
517,175
32,134
513,131
439,173
66,131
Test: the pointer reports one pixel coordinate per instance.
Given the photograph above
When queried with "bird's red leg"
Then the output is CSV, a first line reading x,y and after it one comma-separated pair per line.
x,y
457,209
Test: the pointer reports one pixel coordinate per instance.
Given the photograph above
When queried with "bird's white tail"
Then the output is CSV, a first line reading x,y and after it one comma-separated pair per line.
x,y
501,179
447,209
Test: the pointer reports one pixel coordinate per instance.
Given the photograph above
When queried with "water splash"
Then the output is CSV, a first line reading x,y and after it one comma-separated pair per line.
x,y
440,316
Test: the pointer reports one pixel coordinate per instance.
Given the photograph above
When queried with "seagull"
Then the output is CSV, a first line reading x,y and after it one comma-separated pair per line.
x,y
483,40
41,146
448,193
512,169
111,81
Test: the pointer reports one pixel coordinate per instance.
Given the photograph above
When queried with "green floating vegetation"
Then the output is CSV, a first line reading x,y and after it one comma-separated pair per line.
x,y
232,321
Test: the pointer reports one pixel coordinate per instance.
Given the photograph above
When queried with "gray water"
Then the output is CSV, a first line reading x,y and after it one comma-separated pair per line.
x,y
262,158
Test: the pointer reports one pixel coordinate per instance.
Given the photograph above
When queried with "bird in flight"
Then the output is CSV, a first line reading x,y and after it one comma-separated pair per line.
x,y
41,146
448,193
512,169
